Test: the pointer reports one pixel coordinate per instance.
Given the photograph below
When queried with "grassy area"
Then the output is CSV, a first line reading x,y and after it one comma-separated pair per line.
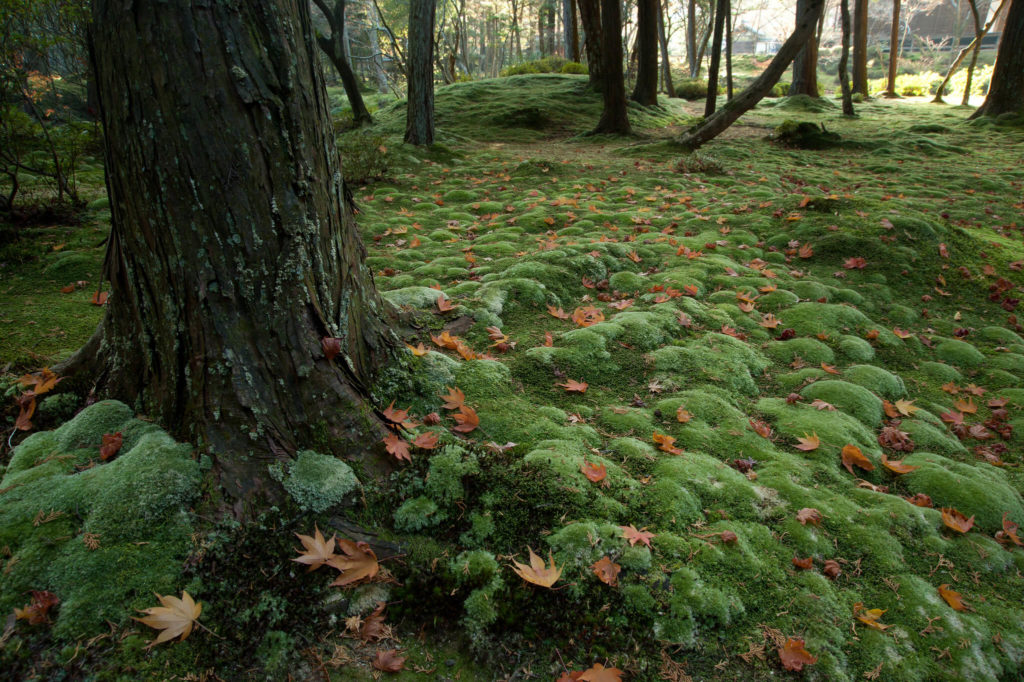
x,y
891,262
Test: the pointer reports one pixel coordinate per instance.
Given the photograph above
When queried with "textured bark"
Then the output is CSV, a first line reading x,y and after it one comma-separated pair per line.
x,y
334,47
806,23
666,65
975,46
613,87
844,82
894,44
716,56
1006,90
590,17
860,47
691,38
571,30
645,91
728,49
974,53
419,115
805,66
232,249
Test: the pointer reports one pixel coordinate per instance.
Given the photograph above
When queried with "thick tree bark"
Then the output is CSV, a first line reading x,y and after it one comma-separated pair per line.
x,y
232,251
666,66
691,38
646,89
334,47
806,23
860,47
716,56
894,44
1006,90
613,87
419,116
844,81
590,17
805,66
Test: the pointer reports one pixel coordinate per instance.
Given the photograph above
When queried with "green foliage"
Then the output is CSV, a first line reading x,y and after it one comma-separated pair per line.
x,y
364,156
550,64
699,162
318,482
691,89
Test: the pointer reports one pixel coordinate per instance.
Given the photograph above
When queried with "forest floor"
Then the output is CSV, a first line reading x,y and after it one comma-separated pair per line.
x,y
800,371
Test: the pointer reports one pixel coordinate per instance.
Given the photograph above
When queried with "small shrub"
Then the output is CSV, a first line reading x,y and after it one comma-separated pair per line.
x,y
573,67
364,156
780,89
699,163
545,65
805,135
692,89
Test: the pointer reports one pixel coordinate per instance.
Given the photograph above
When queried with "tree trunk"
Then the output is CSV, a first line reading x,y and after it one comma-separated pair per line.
x,y
516,31
646,90
716,56
894,37
334,47
613,88
419,117
666,66
975,45
590,17
573,33
691,38
1006,90
974,53
762,85
728,49
233,250
844,82
805,66
860,47
703,44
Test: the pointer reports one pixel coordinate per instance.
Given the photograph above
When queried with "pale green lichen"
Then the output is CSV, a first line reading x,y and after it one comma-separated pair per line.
x,y
318,482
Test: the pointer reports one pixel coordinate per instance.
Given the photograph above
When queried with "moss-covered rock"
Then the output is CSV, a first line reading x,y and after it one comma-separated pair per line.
x,y
877,380
959,353
850,398
975,490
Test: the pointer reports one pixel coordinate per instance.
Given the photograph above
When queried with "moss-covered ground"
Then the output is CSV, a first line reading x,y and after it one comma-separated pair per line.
x,y
865,294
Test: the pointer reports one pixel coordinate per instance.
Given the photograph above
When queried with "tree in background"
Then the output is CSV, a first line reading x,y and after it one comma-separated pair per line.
x,y
663,36
613,87
973,48
894,50
242,316
860,47
419,117
844,82
646,89
1006,89
805,66
590,17
716,55
334,47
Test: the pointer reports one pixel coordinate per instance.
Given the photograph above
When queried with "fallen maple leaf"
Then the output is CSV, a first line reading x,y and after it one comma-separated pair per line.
x,y
906,407
466,418
607,571
852,456
760,428
27,407
809,515
356,563
1009,532
634,536
373,626
804,564
586,316
808,443
174,617
595,473
822,405
426,440
956,521
99,298
967,407
870,617
35,612
111,445
419,350
682,415
558,312
952,597
537,572
454,399
794,656
317,551
831,569
397,446
444,305
599,673
665,443
831,369
389,661
573,386
919,500
897,466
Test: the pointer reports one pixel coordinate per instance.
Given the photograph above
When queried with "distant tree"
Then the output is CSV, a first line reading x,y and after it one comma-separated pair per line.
x,y
894,49
419,116
334,47
860,47
571,30
691,38
805,66
226,277
666,66
844,81
1006,89
590,18
711,100
646,89
613,87
971,49
711,127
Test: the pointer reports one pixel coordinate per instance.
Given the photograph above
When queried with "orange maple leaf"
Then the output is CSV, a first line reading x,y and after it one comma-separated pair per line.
x,y
794,656
956,521
634,536
952,597
607,571
397,446
573,386
454,399
852,456
897,466
595,473
808,442
467,419
538,573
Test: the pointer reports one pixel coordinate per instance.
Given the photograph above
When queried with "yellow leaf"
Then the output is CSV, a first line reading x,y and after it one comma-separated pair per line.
x,y
538,573
175,617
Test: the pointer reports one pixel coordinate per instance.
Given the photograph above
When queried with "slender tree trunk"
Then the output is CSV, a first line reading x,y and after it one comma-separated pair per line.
x,y
805,66
516,31
334,47
704,37
723,118
590,17
894,37
728,49
613,88
666,66
974,53
716,55
419,117
844,82
377,54
646,90
1006,89
975,45
691,38
233,250
573,33
860,47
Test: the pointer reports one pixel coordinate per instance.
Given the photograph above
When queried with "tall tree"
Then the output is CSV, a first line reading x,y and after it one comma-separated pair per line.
x,y
419,116
590,17
666,66
728,49
894,51
570,30
691,38
975,45
613,87
1006,89
334,47
646,89
711,127
844,82
716,55
805,66
860,47
233,251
